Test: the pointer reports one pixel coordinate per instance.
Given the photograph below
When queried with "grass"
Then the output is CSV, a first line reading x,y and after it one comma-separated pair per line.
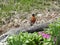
x,y
25,5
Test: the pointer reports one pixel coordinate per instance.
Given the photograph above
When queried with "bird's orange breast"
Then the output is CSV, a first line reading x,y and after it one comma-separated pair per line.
x,y
33,19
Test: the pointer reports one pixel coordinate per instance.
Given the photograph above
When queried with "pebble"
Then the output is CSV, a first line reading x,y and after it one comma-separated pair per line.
x,y
39,15
5,43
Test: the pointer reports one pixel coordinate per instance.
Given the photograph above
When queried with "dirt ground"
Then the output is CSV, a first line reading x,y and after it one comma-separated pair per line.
x,y
23,20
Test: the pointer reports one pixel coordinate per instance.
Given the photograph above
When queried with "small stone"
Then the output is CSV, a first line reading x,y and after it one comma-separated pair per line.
x,y
15,20
42,21
25,21
16,25
38,22
39,15
10,24
20,20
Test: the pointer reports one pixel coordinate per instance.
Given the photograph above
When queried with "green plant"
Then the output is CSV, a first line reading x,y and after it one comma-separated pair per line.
x,y
54,30
30,39
24,39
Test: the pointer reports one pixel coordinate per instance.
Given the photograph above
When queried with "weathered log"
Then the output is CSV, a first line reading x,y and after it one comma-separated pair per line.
x,y
36,28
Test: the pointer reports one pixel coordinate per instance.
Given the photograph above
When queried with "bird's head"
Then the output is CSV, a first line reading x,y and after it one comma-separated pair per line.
x,y
33,15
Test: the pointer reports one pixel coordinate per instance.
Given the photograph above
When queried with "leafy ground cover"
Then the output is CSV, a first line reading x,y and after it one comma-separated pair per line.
x,y
54,30
29,39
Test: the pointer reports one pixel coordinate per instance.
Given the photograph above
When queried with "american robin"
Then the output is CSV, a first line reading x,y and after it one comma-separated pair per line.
x,y
33,19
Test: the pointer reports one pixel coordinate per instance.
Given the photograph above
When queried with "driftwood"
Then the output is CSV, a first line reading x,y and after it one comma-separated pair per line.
x,y
36,28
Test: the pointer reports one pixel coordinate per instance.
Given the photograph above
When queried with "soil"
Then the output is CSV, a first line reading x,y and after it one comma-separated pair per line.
x,y
23,20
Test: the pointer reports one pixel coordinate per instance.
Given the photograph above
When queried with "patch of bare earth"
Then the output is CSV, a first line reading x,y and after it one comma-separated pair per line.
x,y
23,19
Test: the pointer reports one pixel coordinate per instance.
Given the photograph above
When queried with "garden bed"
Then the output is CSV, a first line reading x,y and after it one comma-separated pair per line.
x,y
49,35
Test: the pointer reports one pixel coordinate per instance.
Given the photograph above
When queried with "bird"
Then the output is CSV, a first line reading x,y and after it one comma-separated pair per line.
x,y
33,19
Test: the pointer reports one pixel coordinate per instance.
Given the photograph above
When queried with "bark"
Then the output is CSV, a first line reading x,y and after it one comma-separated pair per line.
x,y
37,28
